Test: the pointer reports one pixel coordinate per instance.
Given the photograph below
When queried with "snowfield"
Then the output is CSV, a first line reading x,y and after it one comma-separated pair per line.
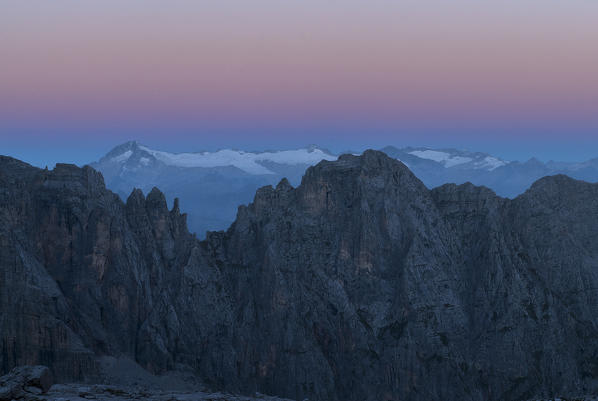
x,y
441,157
448,160
246,161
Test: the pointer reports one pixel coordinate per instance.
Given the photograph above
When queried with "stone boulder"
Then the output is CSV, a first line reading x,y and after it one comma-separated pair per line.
x,y
25,382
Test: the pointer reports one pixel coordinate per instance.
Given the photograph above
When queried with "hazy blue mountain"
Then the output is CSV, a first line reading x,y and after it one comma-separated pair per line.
x,y
211,185
436,167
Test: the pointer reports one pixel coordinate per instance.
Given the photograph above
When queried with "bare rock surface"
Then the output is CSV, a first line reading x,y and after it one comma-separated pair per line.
x,y
25,382
359,284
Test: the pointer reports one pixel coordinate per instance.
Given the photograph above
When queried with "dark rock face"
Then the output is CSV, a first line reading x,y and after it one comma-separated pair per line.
x,y
360,284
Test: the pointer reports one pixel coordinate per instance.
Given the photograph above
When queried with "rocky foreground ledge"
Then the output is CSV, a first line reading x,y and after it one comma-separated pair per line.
x,y
78,392
582,398
34,383
25,382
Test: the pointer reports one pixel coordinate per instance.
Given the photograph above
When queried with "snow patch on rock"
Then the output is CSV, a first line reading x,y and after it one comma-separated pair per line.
x,y
446,159
122,157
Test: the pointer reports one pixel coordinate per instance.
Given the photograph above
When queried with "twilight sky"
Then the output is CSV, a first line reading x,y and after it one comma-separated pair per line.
x,y
516,78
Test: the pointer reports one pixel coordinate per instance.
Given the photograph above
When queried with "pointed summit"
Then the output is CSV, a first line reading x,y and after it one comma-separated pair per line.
x,y
121,149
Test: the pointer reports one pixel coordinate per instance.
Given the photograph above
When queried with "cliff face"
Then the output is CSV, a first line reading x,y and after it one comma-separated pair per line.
x,y
360,284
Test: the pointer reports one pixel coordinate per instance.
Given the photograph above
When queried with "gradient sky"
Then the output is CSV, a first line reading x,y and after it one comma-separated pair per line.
x,y
514,78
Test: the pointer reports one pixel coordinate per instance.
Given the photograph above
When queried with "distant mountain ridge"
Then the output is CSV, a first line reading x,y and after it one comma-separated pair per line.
x,y
211,185
436,167
449,158
254,163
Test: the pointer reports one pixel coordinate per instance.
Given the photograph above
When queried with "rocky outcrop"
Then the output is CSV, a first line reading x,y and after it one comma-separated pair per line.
x,y
25,382
359,284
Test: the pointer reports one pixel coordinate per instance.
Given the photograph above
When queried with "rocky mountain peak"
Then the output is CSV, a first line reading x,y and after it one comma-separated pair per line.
x,y
156,200
359,284
136,198
284,185
129,156
15,172
69,177
351,179
120,149
371,163
556,183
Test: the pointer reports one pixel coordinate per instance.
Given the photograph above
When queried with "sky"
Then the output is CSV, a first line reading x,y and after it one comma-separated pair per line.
x,y
513,78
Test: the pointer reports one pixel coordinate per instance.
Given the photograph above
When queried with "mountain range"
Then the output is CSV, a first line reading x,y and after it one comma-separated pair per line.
x,y
509,179
358,284
211,185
